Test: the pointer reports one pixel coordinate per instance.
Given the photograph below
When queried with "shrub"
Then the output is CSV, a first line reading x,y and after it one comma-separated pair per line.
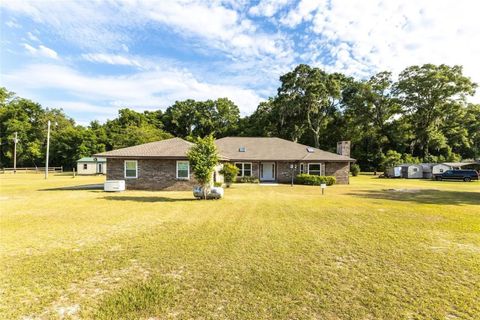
x,y
217,184
313,180
355,169
229,172
248,180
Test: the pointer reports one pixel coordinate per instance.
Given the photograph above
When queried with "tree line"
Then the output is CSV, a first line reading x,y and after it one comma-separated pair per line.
x,y
423,116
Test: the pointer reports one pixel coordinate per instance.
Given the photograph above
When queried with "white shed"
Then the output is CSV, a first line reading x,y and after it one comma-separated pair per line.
x,y
440,168
394,172
412,171
89,165
426,170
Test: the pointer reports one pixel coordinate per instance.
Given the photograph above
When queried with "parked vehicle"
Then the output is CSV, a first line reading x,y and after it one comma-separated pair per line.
x,y
465,175
212,193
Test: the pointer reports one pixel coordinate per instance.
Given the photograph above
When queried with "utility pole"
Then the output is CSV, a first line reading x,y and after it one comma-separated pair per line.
x,y
15,141
48,150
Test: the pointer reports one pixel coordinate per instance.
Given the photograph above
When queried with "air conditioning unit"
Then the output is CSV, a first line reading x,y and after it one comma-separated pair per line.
x,y
114,185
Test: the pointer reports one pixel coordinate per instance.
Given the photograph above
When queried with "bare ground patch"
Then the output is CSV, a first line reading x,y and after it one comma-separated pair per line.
x,y
72,301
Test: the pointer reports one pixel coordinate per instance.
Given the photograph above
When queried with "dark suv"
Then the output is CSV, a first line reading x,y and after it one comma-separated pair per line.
x,y
465,175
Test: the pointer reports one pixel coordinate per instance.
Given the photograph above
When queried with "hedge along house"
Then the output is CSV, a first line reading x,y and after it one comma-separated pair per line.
x,y
163,165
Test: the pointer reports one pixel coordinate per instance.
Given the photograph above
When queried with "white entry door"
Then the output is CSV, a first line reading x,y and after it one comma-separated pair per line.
x,y
267,171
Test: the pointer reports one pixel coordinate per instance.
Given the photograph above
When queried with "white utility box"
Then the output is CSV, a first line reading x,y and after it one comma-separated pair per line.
x,y
114,185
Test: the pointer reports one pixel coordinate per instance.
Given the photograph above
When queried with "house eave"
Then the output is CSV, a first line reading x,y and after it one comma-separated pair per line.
x,y
292,160
152,157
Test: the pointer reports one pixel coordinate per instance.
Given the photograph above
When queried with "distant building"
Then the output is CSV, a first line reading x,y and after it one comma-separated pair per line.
x,y
412,171
90,165
439,168
394,172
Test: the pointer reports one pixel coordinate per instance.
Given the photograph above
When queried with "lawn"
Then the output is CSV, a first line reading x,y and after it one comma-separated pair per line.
x,y
374,249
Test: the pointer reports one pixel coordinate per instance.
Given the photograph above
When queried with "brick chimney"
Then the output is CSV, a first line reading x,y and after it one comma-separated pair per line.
x,y
343,148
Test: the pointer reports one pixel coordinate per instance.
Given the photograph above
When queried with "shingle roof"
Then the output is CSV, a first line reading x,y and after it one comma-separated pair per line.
x,y
261,148
256,148
91,159
169,148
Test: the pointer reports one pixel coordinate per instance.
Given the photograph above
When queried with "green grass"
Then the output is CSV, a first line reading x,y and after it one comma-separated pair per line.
x,y
375,249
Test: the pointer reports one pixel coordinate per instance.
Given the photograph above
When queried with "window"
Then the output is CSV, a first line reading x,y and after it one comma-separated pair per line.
x,y
242,149
85,166
415,169
244,169
131,169
183,170
314,169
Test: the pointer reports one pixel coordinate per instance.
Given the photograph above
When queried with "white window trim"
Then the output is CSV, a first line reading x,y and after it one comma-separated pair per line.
x,y
308,167
243,168
125,169
188,171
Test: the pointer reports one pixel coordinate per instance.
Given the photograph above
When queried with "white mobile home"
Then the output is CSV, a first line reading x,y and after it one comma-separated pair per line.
x,y
412,171
89,165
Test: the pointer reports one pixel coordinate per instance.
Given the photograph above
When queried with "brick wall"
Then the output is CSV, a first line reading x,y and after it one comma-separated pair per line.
x,y
339,170
156,174
153,174
284,173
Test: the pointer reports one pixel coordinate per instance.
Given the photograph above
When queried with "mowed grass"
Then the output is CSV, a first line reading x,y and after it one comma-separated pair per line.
x,y
374,249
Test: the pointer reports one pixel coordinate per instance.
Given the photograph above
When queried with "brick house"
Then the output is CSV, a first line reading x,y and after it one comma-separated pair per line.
x,y
163,165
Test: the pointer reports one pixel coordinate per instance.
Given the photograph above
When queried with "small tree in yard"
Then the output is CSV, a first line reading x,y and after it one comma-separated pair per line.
x,y
229,172
203,158
355,169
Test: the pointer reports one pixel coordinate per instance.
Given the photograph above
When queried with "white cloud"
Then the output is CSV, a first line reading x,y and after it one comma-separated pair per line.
x,y
303,12
362,37
32,37
219,27
142,90
83,110
84,23
268,8
100,25
113,59
41,51
12,24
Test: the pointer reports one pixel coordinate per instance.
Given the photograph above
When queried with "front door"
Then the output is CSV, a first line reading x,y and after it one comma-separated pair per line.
x,y
267,171
100,168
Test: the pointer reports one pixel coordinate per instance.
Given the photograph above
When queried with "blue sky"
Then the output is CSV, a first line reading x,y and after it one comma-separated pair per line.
x,y
92,58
